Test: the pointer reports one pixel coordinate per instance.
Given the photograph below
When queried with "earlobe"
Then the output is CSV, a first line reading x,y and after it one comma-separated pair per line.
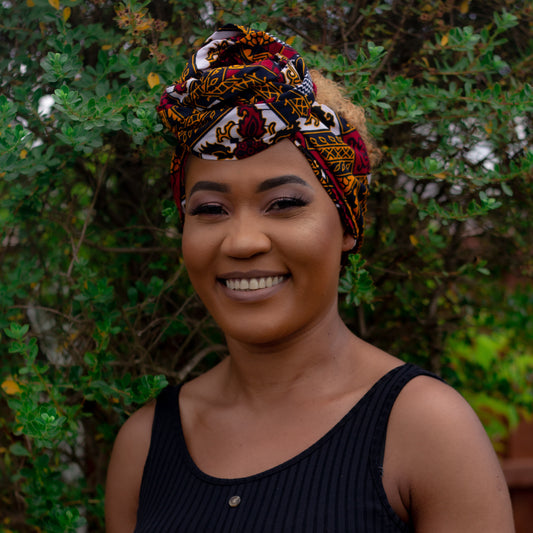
x,y
348,242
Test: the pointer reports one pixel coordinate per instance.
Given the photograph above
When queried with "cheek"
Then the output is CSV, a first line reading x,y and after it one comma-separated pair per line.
x,y
196,250
316,246
327,232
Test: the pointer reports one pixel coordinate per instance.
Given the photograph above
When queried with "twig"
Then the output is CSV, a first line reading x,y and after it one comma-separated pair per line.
x,y
393,44
49,310
86,222
187,369
132,249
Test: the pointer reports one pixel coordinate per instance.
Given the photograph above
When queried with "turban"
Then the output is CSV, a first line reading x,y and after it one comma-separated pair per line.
x,y
245,90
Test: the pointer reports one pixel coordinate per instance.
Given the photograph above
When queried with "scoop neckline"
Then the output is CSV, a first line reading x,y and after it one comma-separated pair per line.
x,y
289,462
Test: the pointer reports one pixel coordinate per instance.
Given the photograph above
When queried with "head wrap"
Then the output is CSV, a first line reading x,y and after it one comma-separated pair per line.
x,y
245,90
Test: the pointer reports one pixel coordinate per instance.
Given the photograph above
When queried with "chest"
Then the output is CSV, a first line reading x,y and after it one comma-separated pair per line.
x,y
235,443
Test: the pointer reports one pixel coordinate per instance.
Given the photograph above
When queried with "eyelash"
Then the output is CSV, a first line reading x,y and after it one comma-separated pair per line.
x,y
287,202
207,209
279,204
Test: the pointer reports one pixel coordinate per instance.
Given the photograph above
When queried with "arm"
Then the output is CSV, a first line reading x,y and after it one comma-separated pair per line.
x,y
448,475
125,471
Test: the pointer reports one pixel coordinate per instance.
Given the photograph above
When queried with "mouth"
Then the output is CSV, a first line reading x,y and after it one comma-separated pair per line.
x,y
252,284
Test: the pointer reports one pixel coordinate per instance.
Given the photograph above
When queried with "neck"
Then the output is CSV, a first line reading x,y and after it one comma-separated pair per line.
x,y
309,360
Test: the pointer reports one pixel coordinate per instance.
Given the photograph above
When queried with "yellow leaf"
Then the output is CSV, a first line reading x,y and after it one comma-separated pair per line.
x,y
153,80
10,386
444,40
30,3
413,239
145,25
290,40
463,8
66,13
440,175
106,47
488,127
54,3
425,61
42,26
23,154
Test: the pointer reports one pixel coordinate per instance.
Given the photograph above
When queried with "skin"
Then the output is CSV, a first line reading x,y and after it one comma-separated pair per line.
x,y
294,369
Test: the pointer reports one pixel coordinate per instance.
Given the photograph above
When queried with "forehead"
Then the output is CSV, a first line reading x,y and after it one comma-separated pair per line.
x,y
280,159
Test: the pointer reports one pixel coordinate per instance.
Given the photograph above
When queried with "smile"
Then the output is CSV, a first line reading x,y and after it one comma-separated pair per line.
x,y
253,284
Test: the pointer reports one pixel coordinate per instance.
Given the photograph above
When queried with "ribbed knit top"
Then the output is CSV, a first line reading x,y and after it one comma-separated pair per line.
x,y
334,486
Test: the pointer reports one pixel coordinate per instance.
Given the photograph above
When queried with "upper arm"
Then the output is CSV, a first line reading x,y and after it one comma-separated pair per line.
x,y
449,473
125,470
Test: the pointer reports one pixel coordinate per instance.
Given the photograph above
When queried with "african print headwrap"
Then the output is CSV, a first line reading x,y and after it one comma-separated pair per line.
x,y
245,90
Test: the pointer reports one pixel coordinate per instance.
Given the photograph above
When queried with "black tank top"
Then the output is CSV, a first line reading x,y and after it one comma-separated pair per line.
x,y
332,487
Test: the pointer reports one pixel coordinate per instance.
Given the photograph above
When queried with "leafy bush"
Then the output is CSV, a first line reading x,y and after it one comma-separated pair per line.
x,y
95,303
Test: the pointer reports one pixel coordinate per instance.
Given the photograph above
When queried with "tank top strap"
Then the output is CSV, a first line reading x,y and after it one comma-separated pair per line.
x,y
166,416
382,402
163,444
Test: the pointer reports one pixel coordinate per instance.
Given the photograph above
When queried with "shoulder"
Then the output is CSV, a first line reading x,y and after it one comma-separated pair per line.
x,y
447,471
134,436
431,412
125,470
426,400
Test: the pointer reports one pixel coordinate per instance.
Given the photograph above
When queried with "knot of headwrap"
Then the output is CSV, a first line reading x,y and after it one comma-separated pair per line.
x,y
245,90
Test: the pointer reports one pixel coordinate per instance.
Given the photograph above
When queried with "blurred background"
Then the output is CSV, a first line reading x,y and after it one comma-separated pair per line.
x,y
96,310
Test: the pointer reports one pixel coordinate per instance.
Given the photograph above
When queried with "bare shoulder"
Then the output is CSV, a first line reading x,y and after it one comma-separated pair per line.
x,y
448,474
125,470
428,401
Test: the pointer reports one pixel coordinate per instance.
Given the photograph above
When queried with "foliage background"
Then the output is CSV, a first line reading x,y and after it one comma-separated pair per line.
x,y
95,304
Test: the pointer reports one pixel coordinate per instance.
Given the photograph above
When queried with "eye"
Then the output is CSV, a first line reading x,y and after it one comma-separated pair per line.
x,y
209,209
287,202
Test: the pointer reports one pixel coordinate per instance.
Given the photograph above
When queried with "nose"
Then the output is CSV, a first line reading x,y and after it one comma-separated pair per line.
x,y
246,237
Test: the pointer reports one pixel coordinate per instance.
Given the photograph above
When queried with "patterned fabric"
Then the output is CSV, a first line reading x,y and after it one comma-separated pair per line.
x,y
245,90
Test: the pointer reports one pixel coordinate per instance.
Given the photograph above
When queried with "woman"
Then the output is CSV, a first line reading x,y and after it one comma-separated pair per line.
x,y
303,427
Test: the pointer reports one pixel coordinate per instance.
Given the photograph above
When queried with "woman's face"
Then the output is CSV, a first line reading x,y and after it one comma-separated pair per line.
x,y
262,243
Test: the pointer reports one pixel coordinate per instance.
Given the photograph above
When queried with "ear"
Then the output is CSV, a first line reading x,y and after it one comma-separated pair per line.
x,y
348,242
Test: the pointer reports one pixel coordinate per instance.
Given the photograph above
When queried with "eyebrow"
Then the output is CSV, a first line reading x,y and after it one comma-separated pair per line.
x,y
268,184
272,183
209,186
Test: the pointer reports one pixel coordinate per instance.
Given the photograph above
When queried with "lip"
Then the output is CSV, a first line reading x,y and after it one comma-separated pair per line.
x,y
251,274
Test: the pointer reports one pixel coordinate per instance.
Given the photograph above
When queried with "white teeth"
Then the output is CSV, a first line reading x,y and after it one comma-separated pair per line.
x,y
252,284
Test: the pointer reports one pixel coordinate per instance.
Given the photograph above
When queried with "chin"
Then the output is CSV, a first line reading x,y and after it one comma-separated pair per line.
x,y
264,333
256,336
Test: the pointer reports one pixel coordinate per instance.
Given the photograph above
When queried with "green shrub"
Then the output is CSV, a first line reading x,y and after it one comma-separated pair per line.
x,y
95,304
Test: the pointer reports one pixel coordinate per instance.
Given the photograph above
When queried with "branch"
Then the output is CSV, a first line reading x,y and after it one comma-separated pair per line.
x,y
189,367
86,222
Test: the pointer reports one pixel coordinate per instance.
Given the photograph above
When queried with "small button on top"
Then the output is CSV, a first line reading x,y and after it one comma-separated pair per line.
x,y
234,501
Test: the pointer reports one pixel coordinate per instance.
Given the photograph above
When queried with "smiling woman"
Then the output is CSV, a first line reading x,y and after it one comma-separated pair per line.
x,y
303,427
278,228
